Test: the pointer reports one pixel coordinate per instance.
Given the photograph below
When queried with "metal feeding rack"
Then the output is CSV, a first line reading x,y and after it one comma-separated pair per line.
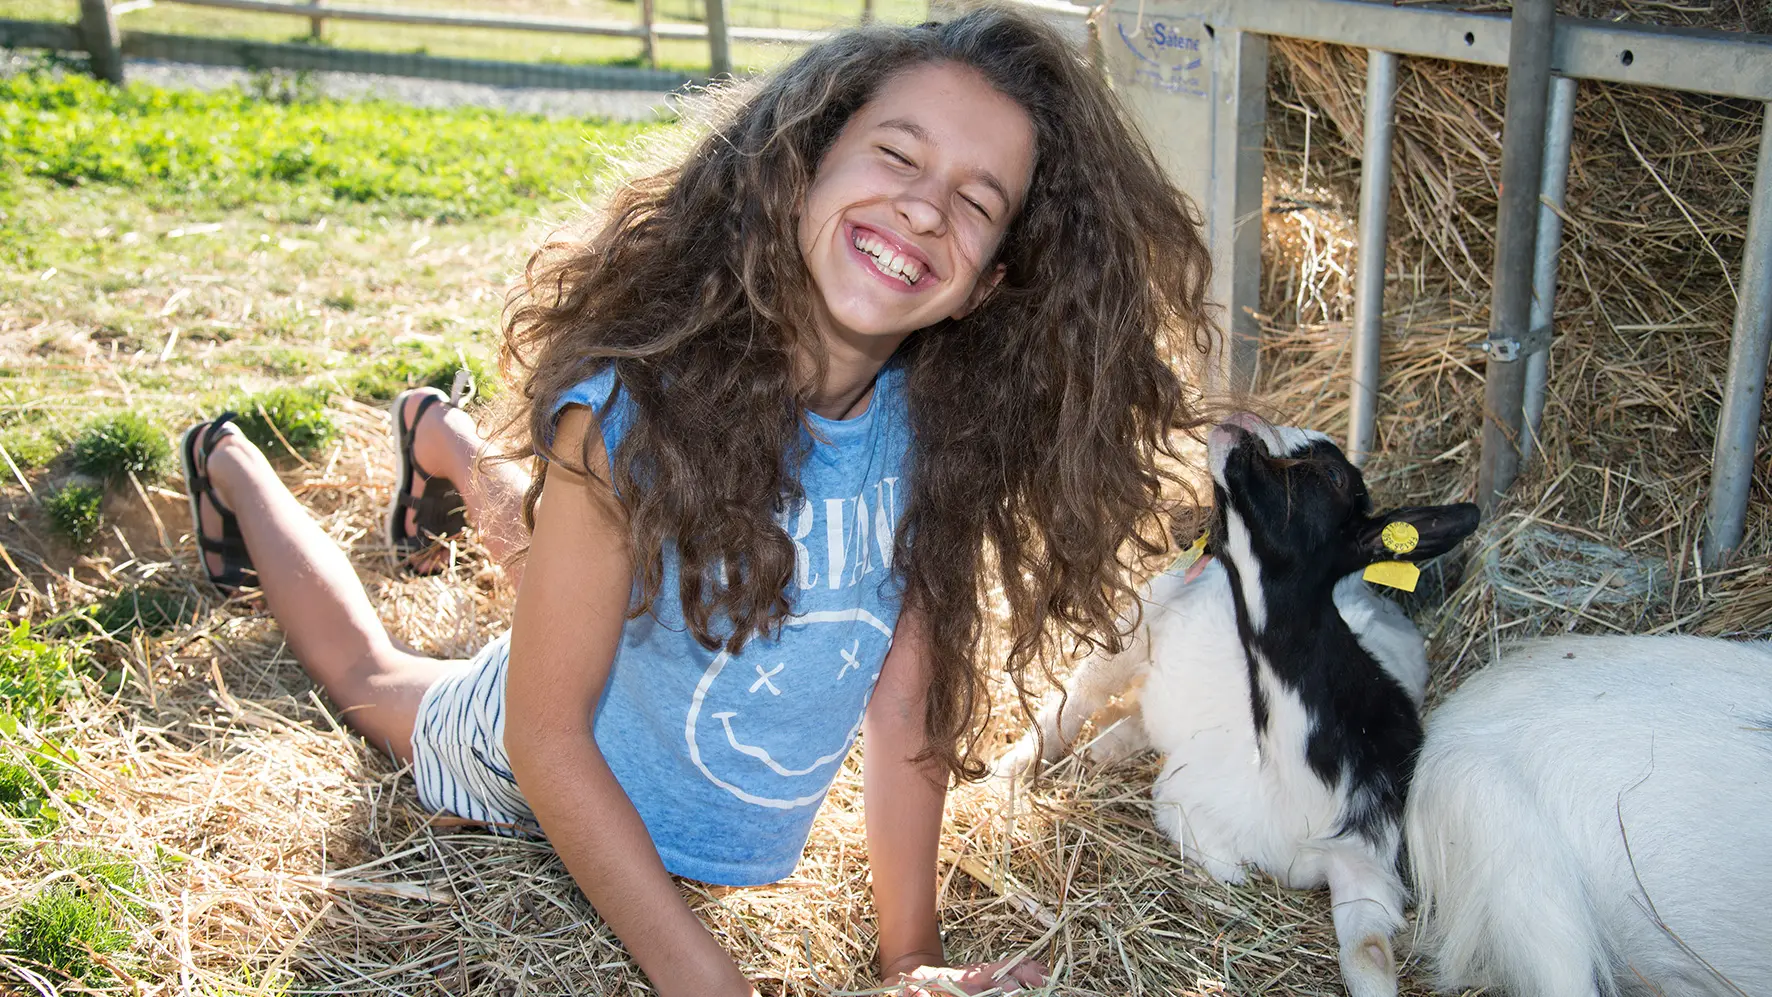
x,y
1194,74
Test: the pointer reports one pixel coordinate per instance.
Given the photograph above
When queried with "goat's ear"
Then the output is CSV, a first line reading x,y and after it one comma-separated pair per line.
x,y
1417,533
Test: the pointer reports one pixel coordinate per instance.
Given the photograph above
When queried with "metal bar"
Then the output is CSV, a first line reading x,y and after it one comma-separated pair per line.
x,y
1732,462
719,45
1516,229
1726,63
317,23
614,29
1375,201
320,58
1239,147
1553,183
98,35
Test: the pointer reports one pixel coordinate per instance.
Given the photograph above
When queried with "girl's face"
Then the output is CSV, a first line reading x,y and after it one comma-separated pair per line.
x,y
910,203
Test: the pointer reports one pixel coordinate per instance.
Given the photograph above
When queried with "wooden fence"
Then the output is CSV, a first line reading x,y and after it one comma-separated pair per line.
x,y
97,34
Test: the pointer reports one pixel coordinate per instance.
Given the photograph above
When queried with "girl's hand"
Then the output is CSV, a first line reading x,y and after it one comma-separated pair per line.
x,y
975,978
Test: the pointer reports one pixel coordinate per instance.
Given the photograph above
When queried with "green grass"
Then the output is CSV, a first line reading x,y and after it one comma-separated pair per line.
x,y
36,674
295,416
30,446
24,790
62,927
216,246
114,446
175,287
227,148
382,379
75,510
153,609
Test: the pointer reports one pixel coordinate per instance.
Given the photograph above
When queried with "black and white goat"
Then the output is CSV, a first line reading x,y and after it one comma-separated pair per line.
x,y
1284,692
1593,815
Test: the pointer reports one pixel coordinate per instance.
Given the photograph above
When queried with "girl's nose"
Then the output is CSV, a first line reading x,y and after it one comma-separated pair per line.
x,y
920,215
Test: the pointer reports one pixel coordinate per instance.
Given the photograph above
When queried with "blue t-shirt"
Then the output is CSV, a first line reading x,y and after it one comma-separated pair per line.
x,y
727,757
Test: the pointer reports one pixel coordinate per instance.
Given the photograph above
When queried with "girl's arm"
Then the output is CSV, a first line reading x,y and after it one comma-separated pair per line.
x,y
903,800
568,622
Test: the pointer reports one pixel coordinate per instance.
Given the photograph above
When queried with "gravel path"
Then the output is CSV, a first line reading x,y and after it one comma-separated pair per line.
x,y
625,105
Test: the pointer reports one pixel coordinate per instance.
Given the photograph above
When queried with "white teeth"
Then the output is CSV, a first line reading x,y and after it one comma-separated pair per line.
x,y
887,261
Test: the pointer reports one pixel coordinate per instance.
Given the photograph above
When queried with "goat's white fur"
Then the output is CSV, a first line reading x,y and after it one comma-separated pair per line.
x,y
1593,815
1219,797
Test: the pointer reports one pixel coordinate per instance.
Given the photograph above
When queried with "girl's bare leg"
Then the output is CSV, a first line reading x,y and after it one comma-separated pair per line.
x,y
315,595
447,444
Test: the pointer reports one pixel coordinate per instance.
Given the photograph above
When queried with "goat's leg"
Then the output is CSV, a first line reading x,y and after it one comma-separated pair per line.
x,y
1096,681
1119,729
1367,900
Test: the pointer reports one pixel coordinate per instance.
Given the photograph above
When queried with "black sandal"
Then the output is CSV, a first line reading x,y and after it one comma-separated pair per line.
x,y
439,514
236,571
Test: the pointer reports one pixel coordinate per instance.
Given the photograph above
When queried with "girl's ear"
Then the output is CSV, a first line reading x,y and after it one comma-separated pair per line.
x,y
981,291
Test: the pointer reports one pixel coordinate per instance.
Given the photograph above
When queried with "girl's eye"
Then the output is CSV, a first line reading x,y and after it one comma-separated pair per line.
x,y
977,207
897,156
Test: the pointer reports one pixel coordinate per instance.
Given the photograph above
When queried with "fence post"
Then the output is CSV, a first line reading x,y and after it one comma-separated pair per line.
x,y
104,46
719,47
867,11
316,25
649,41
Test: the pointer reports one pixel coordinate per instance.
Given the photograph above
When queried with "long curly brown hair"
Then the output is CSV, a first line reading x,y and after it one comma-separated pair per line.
x,y
1041,420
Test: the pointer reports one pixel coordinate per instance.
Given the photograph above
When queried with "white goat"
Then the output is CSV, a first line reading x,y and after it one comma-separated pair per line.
x,y
1282,689
1593,815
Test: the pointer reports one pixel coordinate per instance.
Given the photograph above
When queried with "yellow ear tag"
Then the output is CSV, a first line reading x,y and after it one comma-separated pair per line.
x,y
1396,574
1189,556
1400,537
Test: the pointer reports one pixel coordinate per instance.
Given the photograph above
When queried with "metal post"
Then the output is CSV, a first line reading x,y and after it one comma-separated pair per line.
x,y
1375,200
649,40
1197,90
1516,229
719,48
1559,128
867,11
316,24
104,46
1239,144
1732,462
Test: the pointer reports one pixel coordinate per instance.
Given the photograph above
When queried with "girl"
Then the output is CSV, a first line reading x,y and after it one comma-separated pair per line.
x,y
902,330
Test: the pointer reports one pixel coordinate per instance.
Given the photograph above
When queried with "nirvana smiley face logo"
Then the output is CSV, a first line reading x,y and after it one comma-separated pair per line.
x,y
771,725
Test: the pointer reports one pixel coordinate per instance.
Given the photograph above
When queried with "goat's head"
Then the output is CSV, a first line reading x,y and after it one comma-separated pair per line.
x,y
1293,513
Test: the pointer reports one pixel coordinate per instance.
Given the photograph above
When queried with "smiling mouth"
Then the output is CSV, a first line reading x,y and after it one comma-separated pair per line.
x,y
886,260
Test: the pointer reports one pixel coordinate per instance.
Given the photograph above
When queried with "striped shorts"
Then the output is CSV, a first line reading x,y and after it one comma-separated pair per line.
x,y
458,746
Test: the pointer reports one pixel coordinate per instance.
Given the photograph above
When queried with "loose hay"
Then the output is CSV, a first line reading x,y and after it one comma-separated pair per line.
x,y
279,853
